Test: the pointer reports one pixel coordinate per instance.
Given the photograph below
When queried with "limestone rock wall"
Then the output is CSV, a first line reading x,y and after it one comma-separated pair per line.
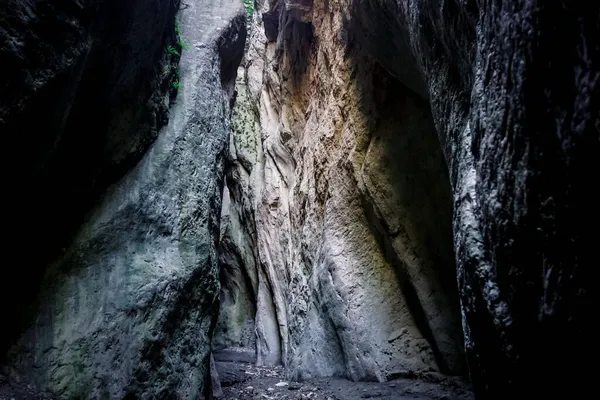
x,y
353,217
128,309
347,198
85,88
515,93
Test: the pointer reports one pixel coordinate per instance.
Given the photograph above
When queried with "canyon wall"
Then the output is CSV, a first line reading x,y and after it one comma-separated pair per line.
x,y
355,107
86,87
407,192
514,89
337,181
128,306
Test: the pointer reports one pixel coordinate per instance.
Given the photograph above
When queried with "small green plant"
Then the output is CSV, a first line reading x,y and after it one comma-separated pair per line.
x,y
181,42
178,26
177,85
184,44
249,5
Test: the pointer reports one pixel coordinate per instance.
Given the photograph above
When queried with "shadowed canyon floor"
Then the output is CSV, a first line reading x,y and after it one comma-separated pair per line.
x,y
242,380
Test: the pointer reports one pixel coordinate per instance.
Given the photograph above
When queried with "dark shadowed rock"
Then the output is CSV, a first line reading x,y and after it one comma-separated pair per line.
x,y
236,354
515,94
128,310
11,390
271,24
84,89
215,381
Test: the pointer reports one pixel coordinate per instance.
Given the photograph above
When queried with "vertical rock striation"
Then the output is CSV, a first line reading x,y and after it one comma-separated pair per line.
x,y
354,208
238,253
349,201
366,135
515,92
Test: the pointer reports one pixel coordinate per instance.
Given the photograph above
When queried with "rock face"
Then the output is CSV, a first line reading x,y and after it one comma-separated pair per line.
x,y
239,283
378,151
352,206
515,92
337,179
242,279
84,90
128,310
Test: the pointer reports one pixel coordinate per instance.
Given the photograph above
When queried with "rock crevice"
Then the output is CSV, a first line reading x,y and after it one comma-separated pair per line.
x,y
389,127
350,207
129,309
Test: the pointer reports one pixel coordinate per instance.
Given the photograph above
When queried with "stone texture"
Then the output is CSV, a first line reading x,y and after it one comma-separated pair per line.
x,y
244,287
249,382
84,90
238,246
515,92
351,207
336,244
235,326
354,210
128,310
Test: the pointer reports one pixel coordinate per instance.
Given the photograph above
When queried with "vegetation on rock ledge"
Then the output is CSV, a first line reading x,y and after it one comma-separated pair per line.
x,y
249,5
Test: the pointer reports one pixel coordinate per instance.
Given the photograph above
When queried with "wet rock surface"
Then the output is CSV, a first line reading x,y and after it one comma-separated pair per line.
x,y
245,381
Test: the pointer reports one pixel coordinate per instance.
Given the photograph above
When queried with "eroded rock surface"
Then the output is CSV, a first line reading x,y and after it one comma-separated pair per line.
x,y
338,176
515,93
365,134
128,310
85,87
354,207
11,390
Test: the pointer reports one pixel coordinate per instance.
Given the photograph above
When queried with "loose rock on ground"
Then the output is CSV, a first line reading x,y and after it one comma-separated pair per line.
x,y
242,380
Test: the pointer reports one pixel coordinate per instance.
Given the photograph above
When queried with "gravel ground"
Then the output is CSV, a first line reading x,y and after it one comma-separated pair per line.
x,y
242,380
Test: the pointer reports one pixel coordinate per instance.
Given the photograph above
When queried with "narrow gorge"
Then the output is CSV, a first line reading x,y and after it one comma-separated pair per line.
x,y
299,199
